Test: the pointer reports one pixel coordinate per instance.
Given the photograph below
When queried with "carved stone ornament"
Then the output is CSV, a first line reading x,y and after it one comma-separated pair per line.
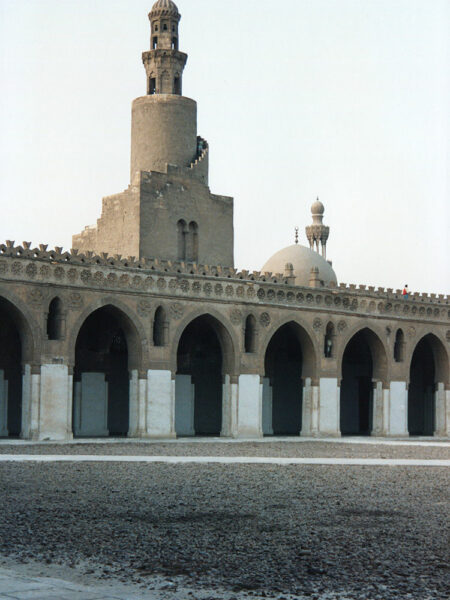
x,y
31,270
35,297
3,266
176,310
59,273
342,326
411,331
143,308
447,335
161,283
85,276
16,268
236,316
264,319
317,323
75,301
184,285
229,291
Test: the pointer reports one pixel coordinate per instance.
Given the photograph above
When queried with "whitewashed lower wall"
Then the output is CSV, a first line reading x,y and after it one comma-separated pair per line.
x,y
398,410
160,404
55,407
329,413
184,405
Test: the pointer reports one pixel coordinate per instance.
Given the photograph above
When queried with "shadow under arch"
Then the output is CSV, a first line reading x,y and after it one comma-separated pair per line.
x,y
130,323
289,357
106,350
205,356
16,350
429,366
225,333
362,362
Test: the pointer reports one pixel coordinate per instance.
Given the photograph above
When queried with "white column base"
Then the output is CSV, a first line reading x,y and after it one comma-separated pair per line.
x,y
442,404
267,407
378,411
160,404
184,405
133,406
249,423
55,403
329,408
91,406
397,425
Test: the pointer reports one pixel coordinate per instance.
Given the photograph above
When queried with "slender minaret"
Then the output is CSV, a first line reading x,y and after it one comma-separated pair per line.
x,y
164,123
318,233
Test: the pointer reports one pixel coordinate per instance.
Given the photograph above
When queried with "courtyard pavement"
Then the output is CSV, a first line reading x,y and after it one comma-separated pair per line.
x,y
292,519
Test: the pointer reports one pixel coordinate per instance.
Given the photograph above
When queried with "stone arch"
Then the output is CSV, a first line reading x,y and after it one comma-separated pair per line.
x,y
428,378
363,360
204,359
378,349
226,335
305,337
289,358
131,324
16,350
27,327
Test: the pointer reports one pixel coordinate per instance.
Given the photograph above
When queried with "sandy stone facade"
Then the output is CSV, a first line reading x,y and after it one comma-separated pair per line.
x,y
131,334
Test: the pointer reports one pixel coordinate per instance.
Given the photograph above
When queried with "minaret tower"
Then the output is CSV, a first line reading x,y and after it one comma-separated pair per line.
x,y
318,233
168,211
164,123
164,63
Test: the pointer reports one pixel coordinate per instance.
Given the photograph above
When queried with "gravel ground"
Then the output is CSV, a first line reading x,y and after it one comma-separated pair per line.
x,y
210,448
245,531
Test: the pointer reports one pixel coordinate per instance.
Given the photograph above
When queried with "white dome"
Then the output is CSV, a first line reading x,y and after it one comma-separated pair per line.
x,y
303,260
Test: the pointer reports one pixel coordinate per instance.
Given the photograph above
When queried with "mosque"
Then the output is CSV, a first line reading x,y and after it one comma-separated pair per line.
x,y
145,328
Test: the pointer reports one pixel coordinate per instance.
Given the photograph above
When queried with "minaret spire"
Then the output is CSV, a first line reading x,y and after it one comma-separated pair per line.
x,y
318,233
164,63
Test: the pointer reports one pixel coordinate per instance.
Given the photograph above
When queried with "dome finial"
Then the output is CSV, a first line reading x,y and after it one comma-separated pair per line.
x,y
296,235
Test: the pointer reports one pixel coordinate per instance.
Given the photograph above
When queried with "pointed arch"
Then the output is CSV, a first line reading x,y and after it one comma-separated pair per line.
x,y
192,242
363,361
329,347
132,327
428,378
181,239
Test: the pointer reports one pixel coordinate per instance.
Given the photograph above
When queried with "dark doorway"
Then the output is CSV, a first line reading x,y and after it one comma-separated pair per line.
x,y
283,366
10,373
421,404
200,357
356,387
101,350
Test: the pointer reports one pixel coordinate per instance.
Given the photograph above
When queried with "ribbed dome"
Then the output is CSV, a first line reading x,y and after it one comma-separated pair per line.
x,y
317,208
165,6
303,260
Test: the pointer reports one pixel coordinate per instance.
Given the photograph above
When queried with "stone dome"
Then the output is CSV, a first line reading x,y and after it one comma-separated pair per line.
x,y
303,260
317,208
166,7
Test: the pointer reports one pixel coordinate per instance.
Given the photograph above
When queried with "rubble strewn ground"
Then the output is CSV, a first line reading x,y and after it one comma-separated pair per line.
x,y
261,531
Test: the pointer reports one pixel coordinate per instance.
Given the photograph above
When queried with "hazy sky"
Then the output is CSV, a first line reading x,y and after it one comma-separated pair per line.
x,y
348,100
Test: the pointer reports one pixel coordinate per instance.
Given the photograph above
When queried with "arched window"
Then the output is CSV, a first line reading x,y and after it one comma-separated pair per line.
x,y
250,334
192,245
155,42
177,86
152,86
160,327
55,320
174,43
165,27
328,349
399,346
181,232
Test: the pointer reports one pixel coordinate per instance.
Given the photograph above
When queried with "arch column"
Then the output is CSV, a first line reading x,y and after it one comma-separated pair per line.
x,y
329,407
396,409
54,387
442,403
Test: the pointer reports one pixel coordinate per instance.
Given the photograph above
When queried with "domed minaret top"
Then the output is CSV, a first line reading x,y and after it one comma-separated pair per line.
x,y
164,63
165,7
318,232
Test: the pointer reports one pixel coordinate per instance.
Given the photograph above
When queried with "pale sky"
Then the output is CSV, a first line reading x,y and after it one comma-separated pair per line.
x,y
348,100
